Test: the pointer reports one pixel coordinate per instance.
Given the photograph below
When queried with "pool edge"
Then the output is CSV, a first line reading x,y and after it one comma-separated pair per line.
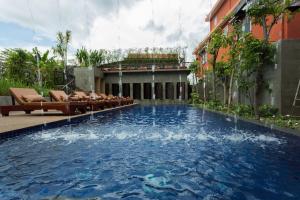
x,y
57,123
266,125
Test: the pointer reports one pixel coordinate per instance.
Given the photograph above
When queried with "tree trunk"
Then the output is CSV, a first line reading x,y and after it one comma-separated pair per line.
x,y
225,88
265,29
194,82
214,79
230,87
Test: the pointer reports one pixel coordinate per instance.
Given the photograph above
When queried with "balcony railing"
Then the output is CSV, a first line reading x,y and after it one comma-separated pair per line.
x,y
143,68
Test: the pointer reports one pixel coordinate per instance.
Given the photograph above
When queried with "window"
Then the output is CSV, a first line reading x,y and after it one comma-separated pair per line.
x,y
215,20
247,25
225,31
204,57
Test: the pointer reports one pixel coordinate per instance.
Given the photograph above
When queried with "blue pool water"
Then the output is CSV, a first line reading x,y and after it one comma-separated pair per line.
x,y
152,152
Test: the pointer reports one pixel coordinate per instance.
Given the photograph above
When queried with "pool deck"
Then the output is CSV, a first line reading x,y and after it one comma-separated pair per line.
x,y
19,120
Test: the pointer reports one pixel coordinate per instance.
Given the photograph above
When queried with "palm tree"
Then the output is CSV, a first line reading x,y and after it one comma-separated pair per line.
x,y
96,57
44,66
61,48
82,57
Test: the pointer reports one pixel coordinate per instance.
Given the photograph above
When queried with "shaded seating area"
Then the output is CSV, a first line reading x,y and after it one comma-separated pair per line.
x,y
29,100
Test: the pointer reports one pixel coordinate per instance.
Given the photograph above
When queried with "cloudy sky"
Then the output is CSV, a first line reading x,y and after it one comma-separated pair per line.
x,y
98,24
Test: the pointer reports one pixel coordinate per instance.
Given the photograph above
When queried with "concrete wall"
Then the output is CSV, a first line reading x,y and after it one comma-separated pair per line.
x,y
283,77
147,77
290,74
85,77
6,100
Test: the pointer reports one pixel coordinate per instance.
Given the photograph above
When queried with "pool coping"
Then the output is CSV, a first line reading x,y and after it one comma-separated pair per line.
x,y
266,125
57,123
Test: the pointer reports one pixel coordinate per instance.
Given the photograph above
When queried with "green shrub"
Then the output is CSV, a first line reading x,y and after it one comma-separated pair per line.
x,y
268,111
41,90
196,98
243,110
214,105
5,84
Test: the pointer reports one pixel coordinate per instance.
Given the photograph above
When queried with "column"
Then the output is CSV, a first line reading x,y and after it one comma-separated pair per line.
x,y
163,90
153,95
131,90
142,91
175,90
110,88
186,90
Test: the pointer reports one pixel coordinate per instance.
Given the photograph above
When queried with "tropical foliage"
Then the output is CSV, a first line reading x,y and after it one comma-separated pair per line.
x,y
217,41
93,58
22,68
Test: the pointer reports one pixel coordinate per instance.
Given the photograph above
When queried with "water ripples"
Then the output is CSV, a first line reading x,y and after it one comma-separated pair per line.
x,y
162,152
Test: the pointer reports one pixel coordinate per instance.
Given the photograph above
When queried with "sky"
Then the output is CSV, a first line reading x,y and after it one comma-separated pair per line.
x,y
109,24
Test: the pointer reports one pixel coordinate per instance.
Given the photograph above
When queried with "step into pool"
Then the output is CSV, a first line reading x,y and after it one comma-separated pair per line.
x,y
152,152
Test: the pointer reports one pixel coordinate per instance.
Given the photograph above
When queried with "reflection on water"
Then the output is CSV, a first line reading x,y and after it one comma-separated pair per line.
x,y
152,152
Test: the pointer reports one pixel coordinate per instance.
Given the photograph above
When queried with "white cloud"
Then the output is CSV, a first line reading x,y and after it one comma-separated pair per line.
x,y
97,24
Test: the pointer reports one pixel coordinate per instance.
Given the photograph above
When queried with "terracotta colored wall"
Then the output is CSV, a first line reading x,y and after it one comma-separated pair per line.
x,y
284,29
293,27
276,33
223,12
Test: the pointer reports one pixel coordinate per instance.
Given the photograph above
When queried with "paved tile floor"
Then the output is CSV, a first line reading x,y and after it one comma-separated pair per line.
x,y
17,120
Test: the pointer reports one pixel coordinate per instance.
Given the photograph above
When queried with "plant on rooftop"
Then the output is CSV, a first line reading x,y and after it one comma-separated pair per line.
x,y
82,57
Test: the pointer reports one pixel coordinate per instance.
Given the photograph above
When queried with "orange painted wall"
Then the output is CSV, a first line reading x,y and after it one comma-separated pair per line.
x,y
284,29
222,12
293,27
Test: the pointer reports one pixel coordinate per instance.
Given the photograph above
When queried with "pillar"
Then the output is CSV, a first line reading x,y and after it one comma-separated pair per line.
x,y
175,90
142,91
163,90
110,88
97,84
131,90
186,90
153,95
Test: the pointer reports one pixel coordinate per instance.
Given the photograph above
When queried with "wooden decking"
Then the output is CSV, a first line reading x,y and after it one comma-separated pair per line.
x,y
19,120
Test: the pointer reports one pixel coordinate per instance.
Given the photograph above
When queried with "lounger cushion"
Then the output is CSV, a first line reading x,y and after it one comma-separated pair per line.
x,y
63,97
73,98
95,96
33,98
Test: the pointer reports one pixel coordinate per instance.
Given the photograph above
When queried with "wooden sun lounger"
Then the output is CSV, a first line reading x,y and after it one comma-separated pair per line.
x,y
67,108
92,104
114,102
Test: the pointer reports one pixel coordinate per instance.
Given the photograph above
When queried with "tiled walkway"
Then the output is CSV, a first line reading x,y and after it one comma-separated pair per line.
x,y
19,120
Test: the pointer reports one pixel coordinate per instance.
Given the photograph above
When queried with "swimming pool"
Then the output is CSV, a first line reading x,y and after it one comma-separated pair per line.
x,y
152,152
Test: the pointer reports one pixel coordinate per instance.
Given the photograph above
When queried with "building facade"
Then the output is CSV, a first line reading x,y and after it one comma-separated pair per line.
x,y
285,29
141,80
283,77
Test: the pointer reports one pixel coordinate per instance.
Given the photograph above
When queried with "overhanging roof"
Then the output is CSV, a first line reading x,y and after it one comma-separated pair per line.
x,y
233,11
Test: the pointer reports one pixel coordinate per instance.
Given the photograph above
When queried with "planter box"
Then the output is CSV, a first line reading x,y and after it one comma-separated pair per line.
x,y
5,100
